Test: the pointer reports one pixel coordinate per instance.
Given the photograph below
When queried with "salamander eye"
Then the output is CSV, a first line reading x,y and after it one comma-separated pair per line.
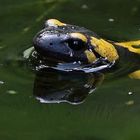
x,y
76,44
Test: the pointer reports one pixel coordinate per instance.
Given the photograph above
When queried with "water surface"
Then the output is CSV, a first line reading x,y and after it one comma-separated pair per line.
x,y
110,113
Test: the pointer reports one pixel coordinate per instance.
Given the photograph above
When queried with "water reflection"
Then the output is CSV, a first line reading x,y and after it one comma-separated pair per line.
x,y
52,86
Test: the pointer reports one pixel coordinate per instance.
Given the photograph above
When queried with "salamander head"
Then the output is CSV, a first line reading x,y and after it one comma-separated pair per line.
x,y
69,43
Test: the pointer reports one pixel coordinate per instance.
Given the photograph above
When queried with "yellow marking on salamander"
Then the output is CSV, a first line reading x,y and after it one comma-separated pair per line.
x,y
90,56
55,22
129,45
135,75
105,49
79,36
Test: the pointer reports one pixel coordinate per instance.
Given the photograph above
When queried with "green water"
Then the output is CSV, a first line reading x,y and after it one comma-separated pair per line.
x,y
110,113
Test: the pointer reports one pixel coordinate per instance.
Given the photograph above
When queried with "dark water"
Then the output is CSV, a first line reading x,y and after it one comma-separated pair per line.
x,y
110,113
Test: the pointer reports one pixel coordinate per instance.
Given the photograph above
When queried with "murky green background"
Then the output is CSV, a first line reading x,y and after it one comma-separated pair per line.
x,y
110,113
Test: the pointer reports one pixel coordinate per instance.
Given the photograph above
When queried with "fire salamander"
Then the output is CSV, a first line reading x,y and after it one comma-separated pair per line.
x,y
83,50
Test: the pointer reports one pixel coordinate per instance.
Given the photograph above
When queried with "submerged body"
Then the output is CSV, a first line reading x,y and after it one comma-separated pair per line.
x,y
77,48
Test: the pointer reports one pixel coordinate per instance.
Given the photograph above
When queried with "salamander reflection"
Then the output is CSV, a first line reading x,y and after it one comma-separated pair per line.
x,y
51,86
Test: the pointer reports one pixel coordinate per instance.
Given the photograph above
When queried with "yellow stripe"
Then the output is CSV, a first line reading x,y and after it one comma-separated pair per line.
x,y
79,36
129,45
55,22
105,49
135,75
90,56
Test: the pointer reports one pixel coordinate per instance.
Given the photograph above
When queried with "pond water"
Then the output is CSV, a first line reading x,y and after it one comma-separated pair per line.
x,y
111,112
